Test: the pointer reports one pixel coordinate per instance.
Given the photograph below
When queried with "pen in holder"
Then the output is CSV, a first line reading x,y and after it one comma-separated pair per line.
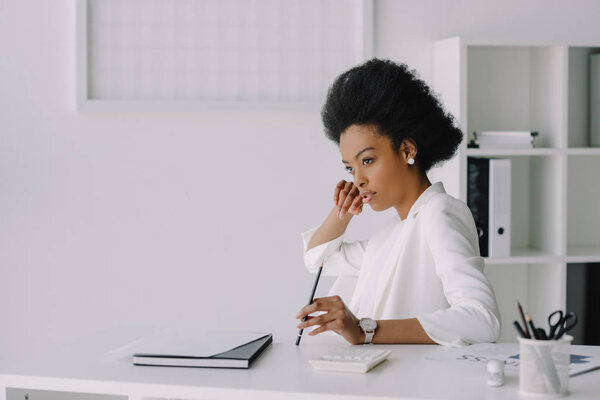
x,y
544,366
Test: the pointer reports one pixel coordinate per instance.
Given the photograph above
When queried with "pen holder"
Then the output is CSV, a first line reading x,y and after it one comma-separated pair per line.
x,y
544,366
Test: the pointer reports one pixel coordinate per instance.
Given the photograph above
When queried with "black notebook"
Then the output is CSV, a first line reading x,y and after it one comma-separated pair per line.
x,y
239,357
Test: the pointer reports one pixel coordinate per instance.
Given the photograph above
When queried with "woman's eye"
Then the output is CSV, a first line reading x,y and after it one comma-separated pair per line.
x,y
366,161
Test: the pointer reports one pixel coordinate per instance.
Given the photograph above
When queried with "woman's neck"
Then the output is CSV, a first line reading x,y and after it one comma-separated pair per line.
x,y
421,184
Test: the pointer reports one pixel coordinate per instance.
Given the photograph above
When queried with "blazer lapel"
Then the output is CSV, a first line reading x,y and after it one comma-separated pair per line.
x,y
366,270
385,279
360,285
391,263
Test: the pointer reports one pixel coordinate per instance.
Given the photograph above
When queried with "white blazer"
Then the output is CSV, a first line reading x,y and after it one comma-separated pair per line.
x,y
426,266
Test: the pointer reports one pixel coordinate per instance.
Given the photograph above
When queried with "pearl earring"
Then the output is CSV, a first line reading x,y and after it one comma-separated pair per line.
x,y
411,161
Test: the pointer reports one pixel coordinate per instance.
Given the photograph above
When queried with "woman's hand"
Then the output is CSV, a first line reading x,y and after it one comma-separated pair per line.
x,y
338,318
346,198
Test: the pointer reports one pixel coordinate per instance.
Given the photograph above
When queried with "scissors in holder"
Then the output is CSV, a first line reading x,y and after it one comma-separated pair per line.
x,y
563,324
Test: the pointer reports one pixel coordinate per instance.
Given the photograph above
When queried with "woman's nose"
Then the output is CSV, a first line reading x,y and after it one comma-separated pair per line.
x,y
360,180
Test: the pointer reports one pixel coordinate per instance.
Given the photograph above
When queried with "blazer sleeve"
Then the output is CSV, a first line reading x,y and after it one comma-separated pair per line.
x,y
473,315
339,258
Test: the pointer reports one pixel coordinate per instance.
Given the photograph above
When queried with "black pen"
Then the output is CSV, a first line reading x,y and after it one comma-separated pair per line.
x,y
532,326
312,296
523,320
520,330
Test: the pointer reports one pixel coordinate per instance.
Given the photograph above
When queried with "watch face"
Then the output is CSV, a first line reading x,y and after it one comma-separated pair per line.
x,y
368,324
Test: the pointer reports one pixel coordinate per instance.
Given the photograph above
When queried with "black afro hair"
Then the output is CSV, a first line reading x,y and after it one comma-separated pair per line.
x,y
398,104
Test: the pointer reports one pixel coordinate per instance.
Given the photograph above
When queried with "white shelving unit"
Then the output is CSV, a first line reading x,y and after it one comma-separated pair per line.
x,y
555,187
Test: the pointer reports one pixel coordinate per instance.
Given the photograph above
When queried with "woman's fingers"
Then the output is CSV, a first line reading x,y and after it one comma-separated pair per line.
x,y
352,193
317,320
343,194
337,318
346,198
338,188
320,304
356,206
323,328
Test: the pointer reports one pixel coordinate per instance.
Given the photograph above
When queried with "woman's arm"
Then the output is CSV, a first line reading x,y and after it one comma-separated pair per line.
x,y
340,319
324,245
473,315
347,202
399,331
331,228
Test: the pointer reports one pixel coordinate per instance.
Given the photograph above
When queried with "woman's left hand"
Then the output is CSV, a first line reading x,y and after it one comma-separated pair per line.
x,y
337,318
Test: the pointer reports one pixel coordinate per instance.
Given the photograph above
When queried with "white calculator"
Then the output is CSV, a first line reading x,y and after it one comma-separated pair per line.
x,y
350,359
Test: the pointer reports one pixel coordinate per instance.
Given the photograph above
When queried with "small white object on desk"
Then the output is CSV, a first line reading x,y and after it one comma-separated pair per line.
x,y
350,359
496,370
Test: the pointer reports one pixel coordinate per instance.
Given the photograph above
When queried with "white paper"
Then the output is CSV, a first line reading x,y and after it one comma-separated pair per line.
x,y
189,342
480,354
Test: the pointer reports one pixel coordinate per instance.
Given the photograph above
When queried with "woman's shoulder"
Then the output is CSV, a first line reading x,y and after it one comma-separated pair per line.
x,y
445,205
445,212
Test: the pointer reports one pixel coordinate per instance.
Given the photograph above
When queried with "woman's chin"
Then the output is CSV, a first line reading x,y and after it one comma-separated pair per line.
x,y
375,208
378,208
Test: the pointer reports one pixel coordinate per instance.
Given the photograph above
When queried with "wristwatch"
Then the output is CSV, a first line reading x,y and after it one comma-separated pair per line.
x,y
368,325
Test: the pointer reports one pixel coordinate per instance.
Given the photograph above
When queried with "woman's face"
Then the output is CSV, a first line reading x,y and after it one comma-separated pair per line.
x,y
374,166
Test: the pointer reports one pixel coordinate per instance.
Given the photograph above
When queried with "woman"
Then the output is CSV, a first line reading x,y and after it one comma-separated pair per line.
x,y
420,279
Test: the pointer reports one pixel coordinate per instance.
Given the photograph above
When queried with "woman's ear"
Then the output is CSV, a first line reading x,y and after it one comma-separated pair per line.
x,y
408,149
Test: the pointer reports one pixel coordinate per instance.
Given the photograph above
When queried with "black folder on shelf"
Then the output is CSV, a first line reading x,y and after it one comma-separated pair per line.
x,y
489,197
478,198
239,357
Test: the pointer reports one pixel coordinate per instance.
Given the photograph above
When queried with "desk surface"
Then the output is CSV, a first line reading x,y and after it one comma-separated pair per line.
x,y
283,372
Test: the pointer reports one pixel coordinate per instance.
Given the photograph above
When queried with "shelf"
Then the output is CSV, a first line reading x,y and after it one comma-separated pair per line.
x,y
516,88
575,151
514,152
583,212
524,256
583,254
534,194
584,151
580,114
555,191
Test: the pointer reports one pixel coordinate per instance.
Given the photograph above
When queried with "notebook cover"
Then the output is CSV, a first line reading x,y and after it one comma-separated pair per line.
x,y
248,353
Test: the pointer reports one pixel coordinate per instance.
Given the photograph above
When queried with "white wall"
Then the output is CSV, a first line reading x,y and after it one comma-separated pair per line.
x,y
155,219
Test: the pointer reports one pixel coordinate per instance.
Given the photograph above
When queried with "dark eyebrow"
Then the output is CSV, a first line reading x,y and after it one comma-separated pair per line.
x,y
359,153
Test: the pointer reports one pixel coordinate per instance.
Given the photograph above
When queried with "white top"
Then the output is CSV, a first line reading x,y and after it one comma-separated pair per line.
x,y
426,266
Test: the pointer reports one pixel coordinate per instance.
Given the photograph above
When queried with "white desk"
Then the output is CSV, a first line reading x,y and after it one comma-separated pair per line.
x,y
281,373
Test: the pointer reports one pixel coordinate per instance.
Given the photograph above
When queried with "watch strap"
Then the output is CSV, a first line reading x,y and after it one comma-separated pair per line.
x,y
369,336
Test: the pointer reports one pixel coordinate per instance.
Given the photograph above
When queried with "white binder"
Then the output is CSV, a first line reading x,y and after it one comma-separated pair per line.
x,y
499,208
595,99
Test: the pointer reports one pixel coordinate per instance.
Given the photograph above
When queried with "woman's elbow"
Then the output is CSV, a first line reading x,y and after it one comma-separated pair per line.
x,y
491,326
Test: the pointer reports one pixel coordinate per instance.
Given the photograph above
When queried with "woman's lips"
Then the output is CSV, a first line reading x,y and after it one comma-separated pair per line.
x,y
367,197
